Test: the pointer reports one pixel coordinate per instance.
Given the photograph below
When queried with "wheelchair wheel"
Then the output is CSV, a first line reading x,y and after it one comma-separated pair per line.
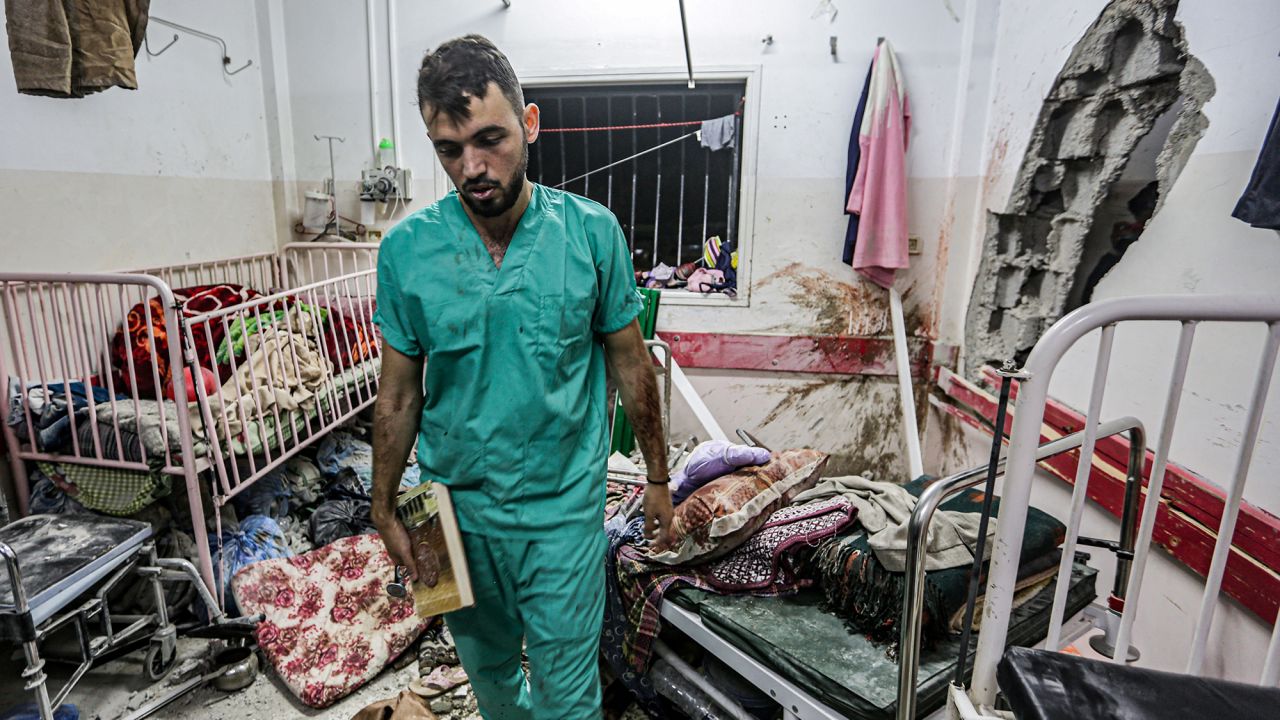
x,y
157,662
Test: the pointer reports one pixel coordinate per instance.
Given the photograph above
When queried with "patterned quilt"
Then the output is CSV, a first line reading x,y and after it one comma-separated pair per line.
x,y
330,625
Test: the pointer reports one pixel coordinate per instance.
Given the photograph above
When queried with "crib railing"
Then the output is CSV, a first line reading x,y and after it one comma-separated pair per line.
x,y
302,263
259,270
56,331
1188,311
56,341
308,338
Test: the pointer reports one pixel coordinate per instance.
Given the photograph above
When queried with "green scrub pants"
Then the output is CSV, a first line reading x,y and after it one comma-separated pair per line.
x,y
550,594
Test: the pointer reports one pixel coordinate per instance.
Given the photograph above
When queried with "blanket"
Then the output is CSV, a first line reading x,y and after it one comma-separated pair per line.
x,y
868,595
144,337
282,372
154,424
883,512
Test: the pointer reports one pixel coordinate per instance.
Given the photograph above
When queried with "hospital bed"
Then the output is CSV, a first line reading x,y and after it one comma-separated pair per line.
x,y
842,677
815,669
61,571
1045,685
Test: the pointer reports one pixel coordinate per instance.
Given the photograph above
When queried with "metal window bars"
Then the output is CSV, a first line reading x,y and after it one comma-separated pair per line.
x,y
647,135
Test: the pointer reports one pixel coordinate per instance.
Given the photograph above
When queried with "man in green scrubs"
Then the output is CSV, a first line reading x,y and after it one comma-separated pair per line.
x,y
515,297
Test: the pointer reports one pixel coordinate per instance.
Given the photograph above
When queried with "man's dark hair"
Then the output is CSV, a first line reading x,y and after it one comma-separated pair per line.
x,y
463,68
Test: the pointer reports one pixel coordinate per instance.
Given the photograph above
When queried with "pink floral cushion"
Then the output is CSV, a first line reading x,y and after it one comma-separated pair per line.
x,y
330,626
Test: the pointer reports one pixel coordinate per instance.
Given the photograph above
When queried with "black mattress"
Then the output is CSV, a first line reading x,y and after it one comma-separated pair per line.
x,y
1042,685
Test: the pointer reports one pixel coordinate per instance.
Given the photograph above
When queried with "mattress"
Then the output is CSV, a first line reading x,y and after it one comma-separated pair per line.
x,y
846,671
61,556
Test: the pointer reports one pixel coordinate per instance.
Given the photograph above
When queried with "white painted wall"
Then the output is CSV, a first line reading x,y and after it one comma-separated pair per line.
x,y
175,170
806,104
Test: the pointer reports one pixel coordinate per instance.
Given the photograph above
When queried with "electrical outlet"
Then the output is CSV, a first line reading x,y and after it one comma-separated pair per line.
x,y
913,244
373,235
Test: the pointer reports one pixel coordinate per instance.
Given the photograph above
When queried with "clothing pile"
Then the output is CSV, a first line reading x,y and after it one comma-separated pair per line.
x,y
715,272
312,500
751,522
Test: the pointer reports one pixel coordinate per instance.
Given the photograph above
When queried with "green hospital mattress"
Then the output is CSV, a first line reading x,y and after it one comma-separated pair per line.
x,y
846,671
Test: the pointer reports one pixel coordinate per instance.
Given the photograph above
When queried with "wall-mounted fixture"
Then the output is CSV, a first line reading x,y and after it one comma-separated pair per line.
x,y
226,59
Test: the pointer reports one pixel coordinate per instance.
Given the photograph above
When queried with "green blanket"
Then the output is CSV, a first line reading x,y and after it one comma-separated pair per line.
x,y
860,589
846,671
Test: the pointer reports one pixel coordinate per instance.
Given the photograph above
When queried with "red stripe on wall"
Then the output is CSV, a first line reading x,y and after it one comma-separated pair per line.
x,y
1257,531
831,354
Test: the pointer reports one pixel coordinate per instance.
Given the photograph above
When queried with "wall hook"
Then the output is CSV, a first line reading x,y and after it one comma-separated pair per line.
x,y
226,59
767,40
833,49
146,43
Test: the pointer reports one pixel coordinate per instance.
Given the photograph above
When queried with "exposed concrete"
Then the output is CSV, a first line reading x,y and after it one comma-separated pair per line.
x,y
1124,73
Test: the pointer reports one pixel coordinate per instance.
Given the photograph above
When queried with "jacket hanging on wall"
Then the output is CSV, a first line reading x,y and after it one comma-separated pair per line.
x,y
1260,204
851,169
67,49
879,192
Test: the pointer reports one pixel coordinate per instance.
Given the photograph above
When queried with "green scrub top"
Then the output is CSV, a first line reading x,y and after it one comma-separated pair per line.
x,y
514,419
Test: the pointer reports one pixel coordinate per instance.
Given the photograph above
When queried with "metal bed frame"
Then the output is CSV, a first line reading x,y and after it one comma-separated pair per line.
x,y
1188,311
57,328
798,704
1024,452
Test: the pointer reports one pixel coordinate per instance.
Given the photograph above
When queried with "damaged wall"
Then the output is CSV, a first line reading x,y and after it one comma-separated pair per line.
x,y
1130,67
1191,245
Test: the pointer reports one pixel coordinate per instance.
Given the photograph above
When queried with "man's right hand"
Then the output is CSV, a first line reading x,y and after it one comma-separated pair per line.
x,y
396,539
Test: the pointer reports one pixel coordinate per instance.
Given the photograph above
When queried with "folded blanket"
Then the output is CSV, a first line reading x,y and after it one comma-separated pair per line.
x,y
884,510
156,434
868,595
282,371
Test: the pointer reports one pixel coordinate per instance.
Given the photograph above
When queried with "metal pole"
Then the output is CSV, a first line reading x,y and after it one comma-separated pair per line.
x,y
1007,373
688,58
333,179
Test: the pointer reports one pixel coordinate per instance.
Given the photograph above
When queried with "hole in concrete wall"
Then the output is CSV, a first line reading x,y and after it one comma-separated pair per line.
x,y
1119,220
1120,121
994,321
1034,283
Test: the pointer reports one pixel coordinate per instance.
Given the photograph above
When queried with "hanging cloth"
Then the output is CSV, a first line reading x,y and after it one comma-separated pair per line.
x,y
1260,204
851,169
73,49
879,192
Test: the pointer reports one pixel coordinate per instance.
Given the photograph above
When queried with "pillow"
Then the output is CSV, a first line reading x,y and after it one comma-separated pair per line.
x,y
330,625
724,513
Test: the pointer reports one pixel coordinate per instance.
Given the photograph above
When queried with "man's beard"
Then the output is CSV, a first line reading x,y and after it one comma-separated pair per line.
x,y
508,193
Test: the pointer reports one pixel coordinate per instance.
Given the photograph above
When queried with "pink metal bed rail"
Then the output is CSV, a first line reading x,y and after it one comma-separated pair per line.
x,y
56,329
1189,311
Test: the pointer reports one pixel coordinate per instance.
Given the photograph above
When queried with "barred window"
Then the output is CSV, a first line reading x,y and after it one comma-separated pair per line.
x,y
668,192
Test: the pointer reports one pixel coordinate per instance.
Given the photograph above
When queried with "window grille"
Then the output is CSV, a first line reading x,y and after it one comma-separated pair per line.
x,y
669,200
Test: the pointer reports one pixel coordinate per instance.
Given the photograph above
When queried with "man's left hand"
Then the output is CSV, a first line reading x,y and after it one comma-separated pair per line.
x,y
658,513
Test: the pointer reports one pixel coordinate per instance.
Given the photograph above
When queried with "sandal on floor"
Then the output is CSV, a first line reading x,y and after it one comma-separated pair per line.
x,y
441,680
